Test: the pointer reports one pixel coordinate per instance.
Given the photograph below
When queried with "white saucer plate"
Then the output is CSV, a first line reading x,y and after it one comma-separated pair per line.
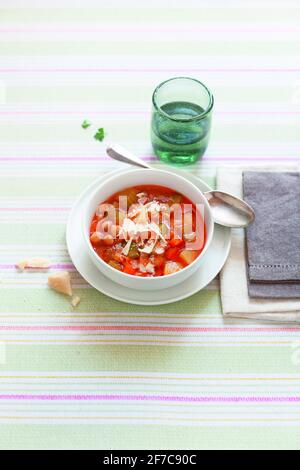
x,y
212,261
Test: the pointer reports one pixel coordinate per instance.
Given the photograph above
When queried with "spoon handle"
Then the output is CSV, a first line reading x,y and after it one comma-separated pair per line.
x,y
117,152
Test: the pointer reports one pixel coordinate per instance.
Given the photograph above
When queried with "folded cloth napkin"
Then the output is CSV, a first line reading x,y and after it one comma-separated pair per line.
x,y
273,240
234,290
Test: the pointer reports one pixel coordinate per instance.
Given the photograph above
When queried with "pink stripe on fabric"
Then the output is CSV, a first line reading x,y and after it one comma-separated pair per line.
x,y
53,266
34,209
148,328
251,158
143,70
154,158
167,398
84,158
74,113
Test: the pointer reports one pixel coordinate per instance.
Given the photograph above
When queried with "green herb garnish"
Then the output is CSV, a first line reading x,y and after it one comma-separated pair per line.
x,y
86,124
99,134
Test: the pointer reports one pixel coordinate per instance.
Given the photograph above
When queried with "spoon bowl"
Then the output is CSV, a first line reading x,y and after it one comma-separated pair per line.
x,y
228,210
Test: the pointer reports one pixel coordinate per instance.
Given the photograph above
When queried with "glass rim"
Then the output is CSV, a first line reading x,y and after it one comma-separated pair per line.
x,y
193,118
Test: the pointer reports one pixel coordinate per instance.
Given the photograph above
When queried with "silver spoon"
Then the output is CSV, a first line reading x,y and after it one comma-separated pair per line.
x,y
227,209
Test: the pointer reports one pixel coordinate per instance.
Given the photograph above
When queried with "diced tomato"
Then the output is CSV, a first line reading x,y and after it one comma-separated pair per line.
x,y
106,253
159,272
128,269
144,259
176,242
172,253
158,261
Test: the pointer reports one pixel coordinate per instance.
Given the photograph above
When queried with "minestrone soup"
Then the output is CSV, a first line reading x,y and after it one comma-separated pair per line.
x,y
148,231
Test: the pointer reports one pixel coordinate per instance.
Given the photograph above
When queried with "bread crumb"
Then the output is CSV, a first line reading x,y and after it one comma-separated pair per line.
x,y
61,282
22,265
75,301
34,263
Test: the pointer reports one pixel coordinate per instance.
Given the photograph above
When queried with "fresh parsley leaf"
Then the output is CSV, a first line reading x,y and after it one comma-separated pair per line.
x,y
99,134
86,124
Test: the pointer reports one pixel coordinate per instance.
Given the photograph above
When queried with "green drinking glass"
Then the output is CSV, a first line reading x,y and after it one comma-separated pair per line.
x,y
181,120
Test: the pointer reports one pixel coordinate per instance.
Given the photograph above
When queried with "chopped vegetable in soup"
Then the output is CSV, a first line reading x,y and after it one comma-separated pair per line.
x,y
148,231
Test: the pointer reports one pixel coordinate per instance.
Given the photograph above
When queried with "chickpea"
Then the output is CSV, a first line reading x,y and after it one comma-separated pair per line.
x,y
95,238
108,240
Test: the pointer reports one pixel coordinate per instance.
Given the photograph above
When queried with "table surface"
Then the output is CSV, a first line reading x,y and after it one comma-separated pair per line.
x,y
107,374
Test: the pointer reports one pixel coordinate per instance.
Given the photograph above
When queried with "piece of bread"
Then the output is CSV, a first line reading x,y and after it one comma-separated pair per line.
x,y
34,263
75,301
61,282
22,264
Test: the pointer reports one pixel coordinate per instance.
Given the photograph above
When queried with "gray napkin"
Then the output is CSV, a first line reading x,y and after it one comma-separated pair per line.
x,y
273,240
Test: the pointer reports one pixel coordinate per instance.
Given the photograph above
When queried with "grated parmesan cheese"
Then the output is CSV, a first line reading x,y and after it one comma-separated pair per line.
x,y
126,248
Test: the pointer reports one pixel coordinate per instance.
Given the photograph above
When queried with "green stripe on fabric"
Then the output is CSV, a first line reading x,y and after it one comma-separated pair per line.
x,y
170,359
56,186
137,93
202,47
48,301
148,15
28,234
126,129
115,437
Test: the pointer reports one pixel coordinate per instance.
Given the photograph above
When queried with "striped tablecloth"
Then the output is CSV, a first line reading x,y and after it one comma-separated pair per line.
x,y
107,374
